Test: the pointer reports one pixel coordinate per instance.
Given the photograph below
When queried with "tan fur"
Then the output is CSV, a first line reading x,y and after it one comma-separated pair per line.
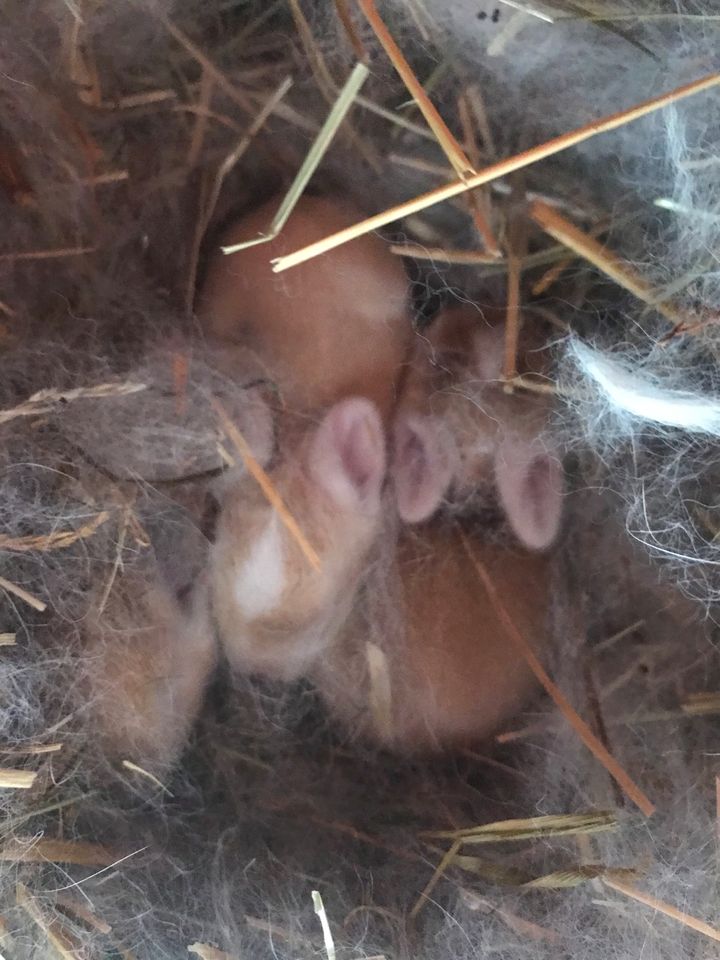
x,y
334,327
454,674
148,680
313,603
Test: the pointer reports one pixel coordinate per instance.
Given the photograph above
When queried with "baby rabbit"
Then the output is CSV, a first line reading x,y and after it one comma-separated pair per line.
x,y
333,334
338,326
147,681
450,675
275,612
453,674
454,411
334,327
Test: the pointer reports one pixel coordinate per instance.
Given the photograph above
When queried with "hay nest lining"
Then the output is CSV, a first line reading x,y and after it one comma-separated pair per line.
x,y
131,133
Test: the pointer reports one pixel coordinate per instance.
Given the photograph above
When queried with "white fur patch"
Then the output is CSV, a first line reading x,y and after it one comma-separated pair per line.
x,y
629,392
260,581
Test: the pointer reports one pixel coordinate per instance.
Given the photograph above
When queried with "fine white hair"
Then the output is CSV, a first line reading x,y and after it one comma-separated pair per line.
x,y
631,392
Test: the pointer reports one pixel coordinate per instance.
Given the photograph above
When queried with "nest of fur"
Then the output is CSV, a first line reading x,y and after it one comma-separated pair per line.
x,y
115,121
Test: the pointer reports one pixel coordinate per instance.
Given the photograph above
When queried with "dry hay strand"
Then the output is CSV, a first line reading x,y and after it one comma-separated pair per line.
x,y
699,926
592,742
465,257
501,169
448,143
47,401
58,253
60,939
49,850
605,260
22,594
339,110
16,779
266,485
57,540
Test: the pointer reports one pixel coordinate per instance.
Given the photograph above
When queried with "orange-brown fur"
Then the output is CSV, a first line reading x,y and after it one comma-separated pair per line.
x,y
313,602
148,680
454,673
334,327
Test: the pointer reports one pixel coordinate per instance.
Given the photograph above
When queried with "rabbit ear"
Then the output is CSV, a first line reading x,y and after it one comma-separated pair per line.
x,y
347,453
530,483
422,465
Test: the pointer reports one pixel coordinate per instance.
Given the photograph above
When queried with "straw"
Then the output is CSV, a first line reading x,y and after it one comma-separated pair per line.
x,y
605,260
493,172
699,926
265,484
616,771
312,160
451,148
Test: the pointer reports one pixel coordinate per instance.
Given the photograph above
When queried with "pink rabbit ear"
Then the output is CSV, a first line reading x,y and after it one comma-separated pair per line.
x,y
347,454
422,466
530,482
